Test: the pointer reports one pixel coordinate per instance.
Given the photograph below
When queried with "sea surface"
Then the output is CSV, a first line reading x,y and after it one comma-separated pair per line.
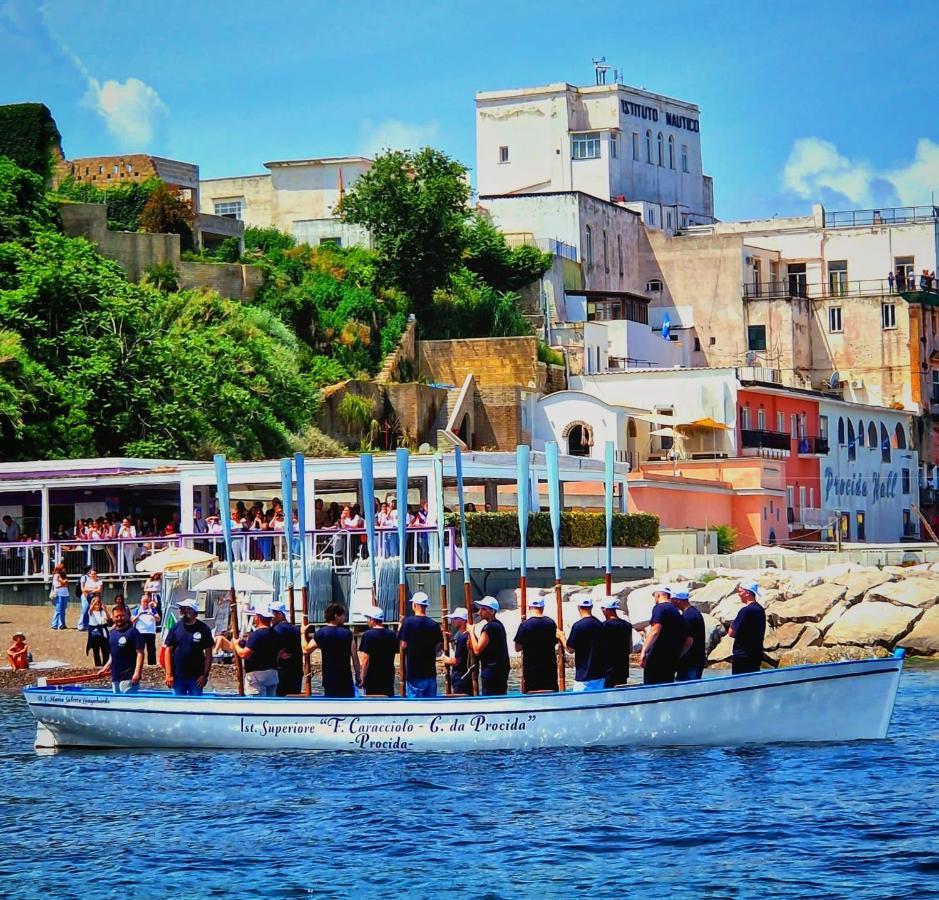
x,y
840,820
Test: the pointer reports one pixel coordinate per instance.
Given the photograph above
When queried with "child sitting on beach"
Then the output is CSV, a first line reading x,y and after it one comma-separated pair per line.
x,y
18,652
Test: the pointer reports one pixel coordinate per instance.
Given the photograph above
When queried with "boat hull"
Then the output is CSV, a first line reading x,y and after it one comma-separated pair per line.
x,y
843,701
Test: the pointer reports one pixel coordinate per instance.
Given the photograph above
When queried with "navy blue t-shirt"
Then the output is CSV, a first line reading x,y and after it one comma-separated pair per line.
x,y
423,637
495,656
460,650
749,631
617,642
335,643
586,640
667,647
124,646
189,644
265,645
289,637
381,645
537,637
696,657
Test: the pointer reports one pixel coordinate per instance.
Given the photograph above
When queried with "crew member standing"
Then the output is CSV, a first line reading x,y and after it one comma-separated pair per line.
x,y
586,643
748,631
537,640
664,640
694,650
617,641
290,657
188,660
377,650
460,681
336,644
491,649
127,646
259,652
421,640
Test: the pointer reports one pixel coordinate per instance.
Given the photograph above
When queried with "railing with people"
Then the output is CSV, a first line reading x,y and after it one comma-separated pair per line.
x,y
892,215
835,287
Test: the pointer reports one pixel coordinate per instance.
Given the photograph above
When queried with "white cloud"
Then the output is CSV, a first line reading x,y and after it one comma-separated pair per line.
x,y
393,134
130,109
815,167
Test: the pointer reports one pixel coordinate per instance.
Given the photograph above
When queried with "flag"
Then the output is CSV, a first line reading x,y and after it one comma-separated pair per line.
x,y
666,328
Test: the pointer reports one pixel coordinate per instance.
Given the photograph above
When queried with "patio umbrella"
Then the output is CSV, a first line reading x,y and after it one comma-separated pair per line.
x,y
244,583
174,558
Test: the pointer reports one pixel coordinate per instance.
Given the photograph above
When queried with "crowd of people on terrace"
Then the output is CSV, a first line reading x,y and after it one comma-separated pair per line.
x,y
910,281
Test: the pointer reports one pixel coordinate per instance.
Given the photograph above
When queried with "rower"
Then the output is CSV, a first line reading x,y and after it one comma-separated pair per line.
x,y
290,657
337,647
664,640
421,640
377,650
537,640
460,681
188,660
617,641
694,650
491,648
259,651
748,630
586,643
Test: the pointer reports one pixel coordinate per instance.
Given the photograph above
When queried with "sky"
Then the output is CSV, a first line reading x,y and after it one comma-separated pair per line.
x,y
801,102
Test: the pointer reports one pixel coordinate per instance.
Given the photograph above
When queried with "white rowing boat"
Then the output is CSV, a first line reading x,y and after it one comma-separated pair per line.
x,y
842,701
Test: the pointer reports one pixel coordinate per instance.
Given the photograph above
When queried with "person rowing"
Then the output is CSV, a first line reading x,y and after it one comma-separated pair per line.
x,y
537,639
617,642
336,644
664,640
491,648
458,661
290,657
748,630
587,644
421,640
694,651
377,650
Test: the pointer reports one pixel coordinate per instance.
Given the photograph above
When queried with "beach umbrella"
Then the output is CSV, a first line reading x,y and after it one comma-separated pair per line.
x,y
224,509
244,584
173,558
554,503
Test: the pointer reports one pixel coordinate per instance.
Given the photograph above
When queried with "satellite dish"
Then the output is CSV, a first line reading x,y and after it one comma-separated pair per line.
x,y
834,380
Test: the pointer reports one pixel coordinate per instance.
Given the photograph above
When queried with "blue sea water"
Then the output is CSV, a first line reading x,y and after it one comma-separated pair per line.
x,y
841,820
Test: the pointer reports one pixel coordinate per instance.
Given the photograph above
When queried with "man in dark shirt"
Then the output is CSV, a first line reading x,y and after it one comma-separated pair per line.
x,y
337,647
127,646
259,652
458,661
188,661
537,639
694,652
664,640
587,644
491,649
421,641
748,631
617,641
378,648
290,657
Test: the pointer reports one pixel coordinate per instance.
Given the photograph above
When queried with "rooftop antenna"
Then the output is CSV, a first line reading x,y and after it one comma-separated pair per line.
x,y
834,380
600,69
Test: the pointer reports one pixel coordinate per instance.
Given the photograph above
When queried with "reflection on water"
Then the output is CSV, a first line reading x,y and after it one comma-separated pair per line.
x,y
841,819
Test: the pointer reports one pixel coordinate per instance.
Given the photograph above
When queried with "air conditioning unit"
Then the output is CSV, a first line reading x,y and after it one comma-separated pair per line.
x,y
857,383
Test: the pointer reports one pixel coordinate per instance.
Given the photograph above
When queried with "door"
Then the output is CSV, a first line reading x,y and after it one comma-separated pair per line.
x,y
861,533
797,279
904,271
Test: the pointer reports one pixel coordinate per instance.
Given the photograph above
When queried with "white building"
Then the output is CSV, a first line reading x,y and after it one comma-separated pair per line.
x,y
614,142
298,197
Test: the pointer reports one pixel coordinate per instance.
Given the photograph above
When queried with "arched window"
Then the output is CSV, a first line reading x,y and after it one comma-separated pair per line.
x,y
654,286
661,143
861,437
648,145
841,431
899,437
884,444
579,439
631,428
588,246
671,151
852,446
872,436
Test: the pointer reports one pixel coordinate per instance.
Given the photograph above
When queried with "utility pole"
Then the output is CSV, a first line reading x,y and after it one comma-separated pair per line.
x,y
838,529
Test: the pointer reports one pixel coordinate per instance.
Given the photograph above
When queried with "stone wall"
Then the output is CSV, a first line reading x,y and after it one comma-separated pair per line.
x,y
405,351
499,418
491,361
230,279
416,407
330,422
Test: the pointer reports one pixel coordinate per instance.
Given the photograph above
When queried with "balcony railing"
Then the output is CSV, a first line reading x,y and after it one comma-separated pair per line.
x,y
828,290
812,446
894,215
757,439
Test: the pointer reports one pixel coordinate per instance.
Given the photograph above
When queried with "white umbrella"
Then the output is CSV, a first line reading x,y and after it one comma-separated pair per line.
x,y
244,584
174,558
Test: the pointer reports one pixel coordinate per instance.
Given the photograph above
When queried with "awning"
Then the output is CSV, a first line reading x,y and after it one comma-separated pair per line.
x,y
707,423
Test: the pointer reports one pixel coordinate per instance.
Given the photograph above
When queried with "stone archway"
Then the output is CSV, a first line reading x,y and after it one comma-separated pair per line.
x,y
579,437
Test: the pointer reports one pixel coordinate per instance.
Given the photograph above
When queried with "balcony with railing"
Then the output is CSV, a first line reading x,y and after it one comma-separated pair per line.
x,y
812,446
760,439
892,215
793,288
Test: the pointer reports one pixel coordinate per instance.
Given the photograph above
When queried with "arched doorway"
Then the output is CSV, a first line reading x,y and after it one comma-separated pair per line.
x,y
579,439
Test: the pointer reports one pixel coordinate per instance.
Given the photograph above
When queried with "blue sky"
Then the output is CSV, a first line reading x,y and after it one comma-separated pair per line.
x,y
833,102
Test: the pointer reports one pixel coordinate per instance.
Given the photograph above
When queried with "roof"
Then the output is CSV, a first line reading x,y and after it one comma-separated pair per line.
x,y
540,194
565,87
317,161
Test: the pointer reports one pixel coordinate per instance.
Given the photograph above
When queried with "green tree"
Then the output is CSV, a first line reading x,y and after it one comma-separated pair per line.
x,y
29,137
23,205
469,307
166,212
125,201
500,266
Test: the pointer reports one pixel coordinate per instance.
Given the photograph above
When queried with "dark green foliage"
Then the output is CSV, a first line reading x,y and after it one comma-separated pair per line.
x,y
578,529
469,308
166,212
503,268
162,276
267,241
23,206
125,201
550,356
28,135
726,539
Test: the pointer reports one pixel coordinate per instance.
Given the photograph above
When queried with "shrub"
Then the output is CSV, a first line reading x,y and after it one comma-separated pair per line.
x,y
125,202
162,276
550,356
316,443
726,539
28,135
578,529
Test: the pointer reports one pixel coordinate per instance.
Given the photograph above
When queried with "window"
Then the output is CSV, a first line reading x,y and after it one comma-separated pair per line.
x,y
129,167
588,246
756,337
619,251
888,314
648,145
935,385
845,527
697,345
650,215
745,418
614,146
654,286
668,218
860,434
811,498
100,170
671,151
636,146
761,419
665,442
861,533
905,270
852,445
606,256
684,158
586,146
334,241
872,436
661,148
823,427
905,480
790,496
899,437
780,422
793,426
884,444
841,432
802,496
838,277
116,169
503,154
230,209
834,319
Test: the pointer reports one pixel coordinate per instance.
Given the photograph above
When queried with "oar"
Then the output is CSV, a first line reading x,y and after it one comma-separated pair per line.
x,y
608,512
401,478
523,458
70,679
467,585
224,509
554,502
366,463
444,604
286,489
299,465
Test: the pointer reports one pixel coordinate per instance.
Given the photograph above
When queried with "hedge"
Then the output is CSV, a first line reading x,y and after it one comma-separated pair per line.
x,y
28,135
578,529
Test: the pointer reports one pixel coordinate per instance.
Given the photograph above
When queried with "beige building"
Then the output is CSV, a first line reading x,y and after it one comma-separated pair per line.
x,y
298,197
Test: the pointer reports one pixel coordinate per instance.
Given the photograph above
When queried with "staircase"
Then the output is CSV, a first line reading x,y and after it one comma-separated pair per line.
x,y
450,414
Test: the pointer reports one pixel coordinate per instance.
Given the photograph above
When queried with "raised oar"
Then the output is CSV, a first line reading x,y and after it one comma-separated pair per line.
x,y
554,503
444,604
286,488
523,476
224,509
608,454
401,485
467,584
69,679
299,465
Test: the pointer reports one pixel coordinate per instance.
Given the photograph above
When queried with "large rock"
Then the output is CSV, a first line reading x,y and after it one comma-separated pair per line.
x,y
709,596
923,640
619,589
726,611
809,606
803,656
873,622
800,582
832,616
857,584
713,632
639,605
509,598
723,651
811,637
784,637
919,592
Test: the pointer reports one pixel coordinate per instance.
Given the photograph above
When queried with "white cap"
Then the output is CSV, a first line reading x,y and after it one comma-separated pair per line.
x,y
280,607
750,585
488,603
459,613
585,601
609,603
662,589
264,611
188,601
376,613
536,602
421,599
